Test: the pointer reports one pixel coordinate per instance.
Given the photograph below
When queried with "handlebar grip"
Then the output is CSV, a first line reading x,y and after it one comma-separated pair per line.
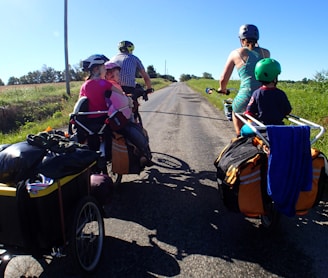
x,y
224,93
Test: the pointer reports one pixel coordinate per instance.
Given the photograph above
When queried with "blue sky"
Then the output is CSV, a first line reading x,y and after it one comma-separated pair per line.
x,y
179,37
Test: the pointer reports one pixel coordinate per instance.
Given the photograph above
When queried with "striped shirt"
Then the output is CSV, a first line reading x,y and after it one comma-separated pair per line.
x,y
129,64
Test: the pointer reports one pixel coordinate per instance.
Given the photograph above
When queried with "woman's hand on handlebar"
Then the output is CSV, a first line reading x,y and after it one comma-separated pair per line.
x,y
219,91
223,92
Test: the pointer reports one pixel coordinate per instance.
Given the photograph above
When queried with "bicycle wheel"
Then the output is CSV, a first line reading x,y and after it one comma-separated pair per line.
x,y
23,266
87,235
270,220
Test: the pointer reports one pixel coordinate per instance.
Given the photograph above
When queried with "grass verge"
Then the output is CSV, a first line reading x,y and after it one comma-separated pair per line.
x,y
309,101
29,109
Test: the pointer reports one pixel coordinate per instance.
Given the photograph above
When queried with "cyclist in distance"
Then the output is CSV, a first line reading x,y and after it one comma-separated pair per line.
x,y
244,59
130,65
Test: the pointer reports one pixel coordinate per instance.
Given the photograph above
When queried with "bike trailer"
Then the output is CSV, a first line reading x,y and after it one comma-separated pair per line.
x,y
38,193
243,173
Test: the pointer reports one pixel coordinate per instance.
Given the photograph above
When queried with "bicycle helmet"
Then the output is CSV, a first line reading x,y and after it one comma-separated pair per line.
x,y
97,59
126,47
249,31
111,65
267,70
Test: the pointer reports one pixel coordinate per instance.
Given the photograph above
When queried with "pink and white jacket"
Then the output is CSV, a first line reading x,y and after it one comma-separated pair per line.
x,y
120,102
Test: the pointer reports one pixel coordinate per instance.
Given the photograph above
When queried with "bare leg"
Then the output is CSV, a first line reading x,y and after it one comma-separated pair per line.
x,y
236,123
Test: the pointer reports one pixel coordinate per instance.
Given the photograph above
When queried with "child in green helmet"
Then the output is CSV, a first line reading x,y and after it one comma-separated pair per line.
x,y
268,104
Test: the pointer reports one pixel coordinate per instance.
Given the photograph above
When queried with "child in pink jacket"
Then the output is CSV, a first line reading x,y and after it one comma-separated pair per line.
x,y
120,101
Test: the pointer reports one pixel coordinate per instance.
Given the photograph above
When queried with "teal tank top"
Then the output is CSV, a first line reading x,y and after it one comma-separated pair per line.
x,y
248,83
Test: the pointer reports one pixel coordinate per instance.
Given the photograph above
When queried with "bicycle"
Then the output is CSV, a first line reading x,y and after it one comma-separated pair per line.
x,y
116,151
139,92
227,103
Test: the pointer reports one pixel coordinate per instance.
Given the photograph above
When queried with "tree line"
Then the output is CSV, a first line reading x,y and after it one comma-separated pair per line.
x,y
50,75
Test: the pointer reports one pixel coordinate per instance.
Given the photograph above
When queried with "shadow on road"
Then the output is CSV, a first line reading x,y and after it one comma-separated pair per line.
x,y
186,213
186,217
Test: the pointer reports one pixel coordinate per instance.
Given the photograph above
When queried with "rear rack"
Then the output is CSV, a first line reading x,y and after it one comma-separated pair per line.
x,y
259,128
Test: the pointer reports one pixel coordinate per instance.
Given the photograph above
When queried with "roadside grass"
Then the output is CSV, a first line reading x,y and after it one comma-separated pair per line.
x,y
48,105
34,108
309,101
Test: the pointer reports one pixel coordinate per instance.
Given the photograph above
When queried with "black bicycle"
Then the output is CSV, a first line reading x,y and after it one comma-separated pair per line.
x,y
139,92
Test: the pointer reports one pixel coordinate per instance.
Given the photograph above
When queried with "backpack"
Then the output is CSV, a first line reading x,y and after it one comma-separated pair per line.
x,y
242,178
241,174
310,199
125,156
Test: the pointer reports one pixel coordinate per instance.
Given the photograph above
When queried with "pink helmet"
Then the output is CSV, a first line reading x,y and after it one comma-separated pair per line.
x,y
111,65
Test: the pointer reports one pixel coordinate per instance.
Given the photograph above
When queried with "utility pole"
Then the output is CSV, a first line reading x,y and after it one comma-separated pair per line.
x,y
67,76
165,70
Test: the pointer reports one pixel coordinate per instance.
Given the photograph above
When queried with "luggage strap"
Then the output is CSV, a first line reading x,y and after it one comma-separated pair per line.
x,y
54,141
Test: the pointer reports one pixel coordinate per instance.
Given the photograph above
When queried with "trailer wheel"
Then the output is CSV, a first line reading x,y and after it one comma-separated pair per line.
x,y
23,266
87,235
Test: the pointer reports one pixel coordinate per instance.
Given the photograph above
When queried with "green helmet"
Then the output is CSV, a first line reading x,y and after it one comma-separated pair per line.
x,y
267,70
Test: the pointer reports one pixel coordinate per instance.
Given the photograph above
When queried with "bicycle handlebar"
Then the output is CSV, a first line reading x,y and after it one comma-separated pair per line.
x,y
210,90
141,92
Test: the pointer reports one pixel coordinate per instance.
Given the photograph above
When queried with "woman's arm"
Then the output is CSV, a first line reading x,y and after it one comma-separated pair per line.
x,y
227,71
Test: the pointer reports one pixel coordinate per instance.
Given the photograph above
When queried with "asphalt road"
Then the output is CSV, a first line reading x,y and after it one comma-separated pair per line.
x,y
170,221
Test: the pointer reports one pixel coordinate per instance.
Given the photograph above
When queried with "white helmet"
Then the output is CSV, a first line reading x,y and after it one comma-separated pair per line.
x,y
97,59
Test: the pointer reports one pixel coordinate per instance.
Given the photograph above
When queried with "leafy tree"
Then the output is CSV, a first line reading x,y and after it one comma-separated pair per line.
x,y
168,77
1,83
321,76
31,78
207,75
185,77
77,74
151,71
13,81
48,75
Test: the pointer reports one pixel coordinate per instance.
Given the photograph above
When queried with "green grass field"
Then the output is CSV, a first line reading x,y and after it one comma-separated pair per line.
x,y
40,106
309,101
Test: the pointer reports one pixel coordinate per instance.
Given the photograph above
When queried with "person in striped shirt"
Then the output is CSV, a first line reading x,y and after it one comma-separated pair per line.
x,y
130,65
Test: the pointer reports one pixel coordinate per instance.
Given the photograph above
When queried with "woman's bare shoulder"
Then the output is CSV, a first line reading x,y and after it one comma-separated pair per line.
x,y
236,53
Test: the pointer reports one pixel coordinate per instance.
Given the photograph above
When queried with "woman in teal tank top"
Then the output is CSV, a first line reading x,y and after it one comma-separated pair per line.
x,y
248,83
244,59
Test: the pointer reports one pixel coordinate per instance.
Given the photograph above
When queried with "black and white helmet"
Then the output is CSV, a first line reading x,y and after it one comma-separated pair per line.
x,y
97,59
